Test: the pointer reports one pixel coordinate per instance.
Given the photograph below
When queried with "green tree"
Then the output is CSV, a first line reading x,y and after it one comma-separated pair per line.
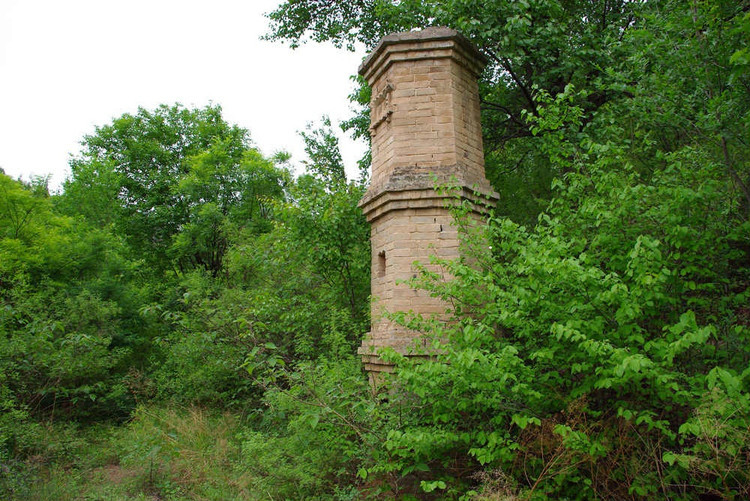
x,y
532,45
323,216
294,289
68,310
321,234
168,179
223,197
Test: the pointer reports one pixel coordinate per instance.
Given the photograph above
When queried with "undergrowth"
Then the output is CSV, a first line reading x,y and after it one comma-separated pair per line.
x,y
162,453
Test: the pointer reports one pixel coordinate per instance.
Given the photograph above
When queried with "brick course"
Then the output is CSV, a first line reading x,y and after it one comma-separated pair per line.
x,y
425,128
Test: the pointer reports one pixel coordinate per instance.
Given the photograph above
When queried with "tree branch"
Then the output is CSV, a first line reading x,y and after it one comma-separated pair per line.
x,y
504,110
506,66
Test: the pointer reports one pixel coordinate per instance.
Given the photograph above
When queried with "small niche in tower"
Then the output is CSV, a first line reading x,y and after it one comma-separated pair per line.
x,y
381,264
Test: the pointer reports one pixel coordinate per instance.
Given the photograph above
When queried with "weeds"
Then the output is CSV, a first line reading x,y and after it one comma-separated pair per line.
x,y
161,454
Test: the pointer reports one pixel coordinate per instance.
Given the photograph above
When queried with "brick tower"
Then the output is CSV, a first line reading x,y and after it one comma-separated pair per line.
x,y
425,129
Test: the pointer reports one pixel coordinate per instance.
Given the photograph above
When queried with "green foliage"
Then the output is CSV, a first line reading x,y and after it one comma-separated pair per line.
x,y
66,313
718,434
324,158
326,225
307,281
17,434
605,325
209,336
222,197
315,434
609,316
172,181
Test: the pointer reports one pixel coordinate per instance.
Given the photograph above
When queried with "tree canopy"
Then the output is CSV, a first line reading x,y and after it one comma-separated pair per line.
x,y
171,180
611,52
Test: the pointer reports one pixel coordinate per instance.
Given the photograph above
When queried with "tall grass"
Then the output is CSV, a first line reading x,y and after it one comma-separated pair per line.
x,y
161,454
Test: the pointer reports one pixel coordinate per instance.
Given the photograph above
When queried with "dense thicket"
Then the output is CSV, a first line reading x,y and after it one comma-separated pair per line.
x,y
175,256
600,346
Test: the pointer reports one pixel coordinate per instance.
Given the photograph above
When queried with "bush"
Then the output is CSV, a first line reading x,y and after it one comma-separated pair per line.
x,y
319,428
583,349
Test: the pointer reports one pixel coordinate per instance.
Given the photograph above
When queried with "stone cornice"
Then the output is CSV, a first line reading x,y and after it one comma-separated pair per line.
x,y
425,191
429,43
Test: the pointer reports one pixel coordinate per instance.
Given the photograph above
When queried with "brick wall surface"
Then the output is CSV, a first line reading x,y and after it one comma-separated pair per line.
x,y
425,128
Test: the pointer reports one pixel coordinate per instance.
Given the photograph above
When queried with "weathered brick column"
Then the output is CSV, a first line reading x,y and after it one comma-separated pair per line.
x,y
425,126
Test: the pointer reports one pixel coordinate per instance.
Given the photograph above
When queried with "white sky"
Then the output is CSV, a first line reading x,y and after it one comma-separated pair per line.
x,y
69,65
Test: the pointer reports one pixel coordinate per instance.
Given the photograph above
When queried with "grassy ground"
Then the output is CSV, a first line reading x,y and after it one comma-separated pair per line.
x,y
162,454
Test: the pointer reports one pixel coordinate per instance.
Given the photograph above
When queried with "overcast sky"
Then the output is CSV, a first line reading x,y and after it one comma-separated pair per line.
x,y
67,66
